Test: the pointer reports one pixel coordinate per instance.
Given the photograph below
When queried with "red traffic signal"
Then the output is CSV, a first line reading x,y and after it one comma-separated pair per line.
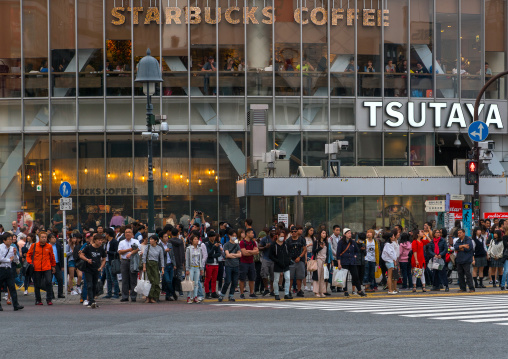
x,y
471,172
472,167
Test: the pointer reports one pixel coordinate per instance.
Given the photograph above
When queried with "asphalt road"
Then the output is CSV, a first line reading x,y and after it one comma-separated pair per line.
x,y
208,330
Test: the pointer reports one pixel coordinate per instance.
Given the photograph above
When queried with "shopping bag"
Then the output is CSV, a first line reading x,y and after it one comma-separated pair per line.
x,y
187,285
143,287
326,273
340,277
378,273
312,265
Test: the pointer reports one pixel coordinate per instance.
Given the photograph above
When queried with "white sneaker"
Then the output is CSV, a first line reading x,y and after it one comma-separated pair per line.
x,y
200,299
392,292
25,293
306,289
79,290
85,303
74,292
354,293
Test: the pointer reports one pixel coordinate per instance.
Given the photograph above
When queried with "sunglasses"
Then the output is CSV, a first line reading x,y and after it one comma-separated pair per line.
x,y
293,231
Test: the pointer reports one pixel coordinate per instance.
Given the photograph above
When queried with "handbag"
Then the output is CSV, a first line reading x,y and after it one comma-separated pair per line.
x,y
187,285
143,286
312,265
116,266
340,277
417,272
29,270
326,272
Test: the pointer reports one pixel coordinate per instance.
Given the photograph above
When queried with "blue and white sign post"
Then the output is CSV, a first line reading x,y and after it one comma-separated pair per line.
x,y
65,205
478,131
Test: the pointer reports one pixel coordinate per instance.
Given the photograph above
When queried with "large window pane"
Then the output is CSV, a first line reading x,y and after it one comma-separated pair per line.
x,y
471,47
287,48
10,115
370,149
92,185
119,49
175,59
353,213
422,149
315,114
314,148
35,46
421,48
369,50
342,49
90,48
10,49
11,178
395,149
63,168
395,50
37,200
36,113
447,34
91,114
63,48
495,50
63,115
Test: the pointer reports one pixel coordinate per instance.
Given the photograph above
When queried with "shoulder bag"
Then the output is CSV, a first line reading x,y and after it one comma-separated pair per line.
x,y
115,265
312,265
30,266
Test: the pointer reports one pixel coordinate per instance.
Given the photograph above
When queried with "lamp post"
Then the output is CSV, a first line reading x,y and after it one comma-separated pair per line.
x,y
476,149
149,74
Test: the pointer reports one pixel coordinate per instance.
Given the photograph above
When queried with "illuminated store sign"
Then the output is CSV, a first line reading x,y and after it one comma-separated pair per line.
x,y
247,15
441,114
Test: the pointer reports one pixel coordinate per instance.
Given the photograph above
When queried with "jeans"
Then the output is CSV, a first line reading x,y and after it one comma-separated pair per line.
x,y
276,282
370,274
505,274
37,284
59,280
231,279
194,274
464,270
405,272
91,280
111,280
167,280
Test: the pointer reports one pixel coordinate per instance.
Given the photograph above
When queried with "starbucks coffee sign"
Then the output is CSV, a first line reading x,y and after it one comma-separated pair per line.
x,y
246,15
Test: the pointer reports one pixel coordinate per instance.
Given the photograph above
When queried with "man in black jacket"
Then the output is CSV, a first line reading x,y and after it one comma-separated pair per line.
x,y
59,258
112,253
280,255
179,252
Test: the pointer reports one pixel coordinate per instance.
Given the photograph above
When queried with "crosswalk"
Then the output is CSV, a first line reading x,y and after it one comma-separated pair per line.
x,y
470,309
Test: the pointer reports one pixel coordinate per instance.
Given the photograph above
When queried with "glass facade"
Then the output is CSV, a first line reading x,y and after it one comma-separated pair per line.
x,y
70,109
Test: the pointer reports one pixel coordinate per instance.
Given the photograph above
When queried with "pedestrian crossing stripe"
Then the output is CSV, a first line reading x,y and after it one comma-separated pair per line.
x,y
477,309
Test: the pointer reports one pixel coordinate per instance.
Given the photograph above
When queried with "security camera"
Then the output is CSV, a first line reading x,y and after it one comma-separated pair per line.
x,y
164,127
487,145
343,145
150,135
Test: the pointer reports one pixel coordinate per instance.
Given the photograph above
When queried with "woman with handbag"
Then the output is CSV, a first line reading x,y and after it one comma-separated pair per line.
x,y
418,259
390,255
193,267
495,253
347,252
153,261
320,251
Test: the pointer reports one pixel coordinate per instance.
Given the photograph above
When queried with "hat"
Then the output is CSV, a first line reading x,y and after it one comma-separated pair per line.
x,y
345,231
262,234
273,228
293,228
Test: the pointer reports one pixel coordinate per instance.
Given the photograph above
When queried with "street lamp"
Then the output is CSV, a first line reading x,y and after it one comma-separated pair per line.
x,y
149,74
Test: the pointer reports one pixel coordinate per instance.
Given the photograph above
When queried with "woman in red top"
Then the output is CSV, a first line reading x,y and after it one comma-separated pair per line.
x,y
418,260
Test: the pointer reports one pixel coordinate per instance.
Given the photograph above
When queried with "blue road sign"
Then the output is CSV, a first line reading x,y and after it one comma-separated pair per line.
x,y
65,189
478,131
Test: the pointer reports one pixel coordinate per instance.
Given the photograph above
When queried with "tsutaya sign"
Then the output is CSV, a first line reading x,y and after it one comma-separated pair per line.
x,y
436,114
236,15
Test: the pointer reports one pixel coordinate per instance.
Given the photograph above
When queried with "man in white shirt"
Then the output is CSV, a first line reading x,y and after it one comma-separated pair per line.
x,y
129,280
7,256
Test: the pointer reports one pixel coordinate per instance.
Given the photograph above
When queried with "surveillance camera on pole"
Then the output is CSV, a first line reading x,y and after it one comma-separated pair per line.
x,y
331,167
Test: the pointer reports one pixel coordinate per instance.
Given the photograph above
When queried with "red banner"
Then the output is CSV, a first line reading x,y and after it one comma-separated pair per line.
x,y
456,209
492,215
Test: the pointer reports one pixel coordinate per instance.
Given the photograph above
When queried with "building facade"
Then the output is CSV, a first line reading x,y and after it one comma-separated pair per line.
x,y
395,78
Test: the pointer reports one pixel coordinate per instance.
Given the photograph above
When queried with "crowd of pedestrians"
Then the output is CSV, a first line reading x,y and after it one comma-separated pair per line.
x,y
199,263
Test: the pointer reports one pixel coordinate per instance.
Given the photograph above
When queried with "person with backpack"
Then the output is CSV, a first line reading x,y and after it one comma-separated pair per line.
x,y
8,255
281,258
347,251
41,257
95,257
153,262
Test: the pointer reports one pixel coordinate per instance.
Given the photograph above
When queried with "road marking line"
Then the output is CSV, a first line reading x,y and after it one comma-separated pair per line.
x,y
486,320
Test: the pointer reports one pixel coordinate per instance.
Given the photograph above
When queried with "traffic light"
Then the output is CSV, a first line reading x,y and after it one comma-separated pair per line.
x,y
471,172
